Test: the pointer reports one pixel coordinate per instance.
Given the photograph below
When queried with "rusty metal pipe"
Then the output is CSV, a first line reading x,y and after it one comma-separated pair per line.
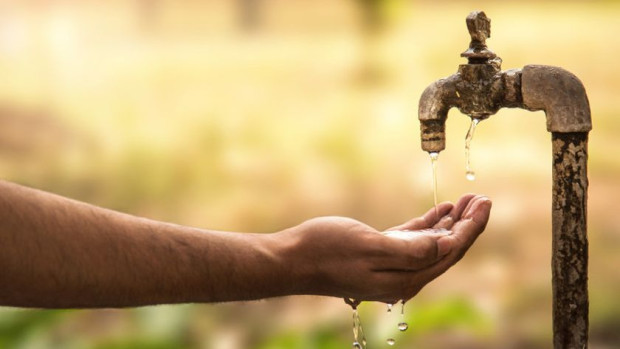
x,y
560,94
563,98
569,259
479,89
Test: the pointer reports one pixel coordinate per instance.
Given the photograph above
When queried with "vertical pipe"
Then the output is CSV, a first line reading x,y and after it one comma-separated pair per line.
x,y
570,242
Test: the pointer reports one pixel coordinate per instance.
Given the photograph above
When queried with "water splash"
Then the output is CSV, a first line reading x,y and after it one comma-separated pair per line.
x,y
414,234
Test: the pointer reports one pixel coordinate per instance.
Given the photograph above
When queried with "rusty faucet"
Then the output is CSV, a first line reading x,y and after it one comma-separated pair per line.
x,y
479,89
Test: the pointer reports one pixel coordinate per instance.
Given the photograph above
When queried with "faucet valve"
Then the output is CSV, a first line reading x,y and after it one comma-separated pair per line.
x,y
479,88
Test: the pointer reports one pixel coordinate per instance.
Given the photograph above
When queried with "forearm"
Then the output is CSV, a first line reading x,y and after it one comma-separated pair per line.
x,y
56,252
60,253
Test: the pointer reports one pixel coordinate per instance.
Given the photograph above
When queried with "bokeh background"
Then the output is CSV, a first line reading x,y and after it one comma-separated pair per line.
x,y
255,115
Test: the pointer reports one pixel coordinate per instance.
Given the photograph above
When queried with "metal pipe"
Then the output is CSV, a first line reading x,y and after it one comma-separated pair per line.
x,y
569,259
479,89
560,94
562,97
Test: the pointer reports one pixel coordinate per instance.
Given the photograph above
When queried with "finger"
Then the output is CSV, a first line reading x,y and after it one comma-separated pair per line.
x,y
414,252
465,232
430,218
474,212
424,250
474,220
448,220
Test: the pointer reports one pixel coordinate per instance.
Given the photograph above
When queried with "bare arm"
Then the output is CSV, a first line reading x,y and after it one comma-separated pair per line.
x,y
60,253
57,252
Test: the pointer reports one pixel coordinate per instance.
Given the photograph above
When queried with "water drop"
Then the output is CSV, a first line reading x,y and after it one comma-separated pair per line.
x,y
389,307
391,341
403,326
356,345
470,175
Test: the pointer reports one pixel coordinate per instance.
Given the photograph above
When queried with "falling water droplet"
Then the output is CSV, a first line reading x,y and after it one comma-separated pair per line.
x,y
390,341
402,326
359,340
358,332
389,307
469,173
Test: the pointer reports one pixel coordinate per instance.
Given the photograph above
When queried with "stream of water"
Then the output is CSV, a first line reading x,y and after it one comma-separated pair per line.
x,y
434,156
469,173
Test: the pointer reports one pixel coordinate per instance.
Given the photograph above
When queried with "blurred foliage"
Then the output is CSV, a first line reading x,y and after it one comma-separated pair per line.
x,y
449,314
17,326
256,115
320,338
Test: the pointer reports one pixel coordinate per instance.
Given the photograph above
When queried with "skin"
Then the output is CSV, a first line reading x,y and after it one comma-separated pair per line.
x,y
60,253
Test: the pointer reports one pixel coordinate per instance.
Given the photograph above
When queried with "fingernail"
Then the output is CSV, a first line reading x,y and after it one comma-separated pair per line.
x,y
485,201
484,198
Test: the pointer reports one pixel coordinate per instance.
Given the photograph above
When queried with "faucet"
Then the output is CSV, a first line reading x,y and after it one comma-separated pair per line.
x,y
479,89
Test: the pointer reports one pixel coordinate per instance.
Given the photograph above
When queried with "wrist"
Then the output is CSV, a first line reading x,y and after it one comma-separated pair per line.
x,y
296,255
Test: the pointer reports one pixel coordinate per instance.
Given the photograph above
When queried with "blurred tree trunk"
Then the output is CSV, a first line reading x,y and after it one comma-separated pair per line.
x,y
372,16
249,15
376,17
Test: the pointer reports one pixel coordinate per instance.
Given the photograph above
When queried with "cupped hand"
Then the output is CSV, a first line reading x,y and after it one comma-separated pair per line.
x,y
341,257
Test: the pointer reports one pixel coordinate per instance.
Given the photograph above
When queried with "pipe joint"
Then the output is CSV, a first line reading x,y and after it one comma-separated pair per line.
x,y
560,94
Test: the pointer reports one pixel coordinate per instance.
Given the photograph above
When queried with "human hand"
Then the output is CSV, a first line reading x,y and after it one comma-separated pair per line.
x,y
342,257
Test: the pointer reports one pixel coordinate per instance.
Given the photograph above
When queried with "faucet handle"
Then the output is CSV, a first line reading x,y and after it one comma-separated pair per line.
x,y
479,26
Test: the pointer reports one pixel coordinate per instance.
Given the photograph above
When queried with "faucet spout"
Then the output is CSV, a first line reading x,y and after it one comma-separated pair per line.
x,y
436,101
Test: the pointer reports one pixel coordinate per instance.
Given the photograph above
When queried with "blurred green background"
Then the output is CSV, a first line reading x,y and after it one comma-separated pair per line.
x,y
255,115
